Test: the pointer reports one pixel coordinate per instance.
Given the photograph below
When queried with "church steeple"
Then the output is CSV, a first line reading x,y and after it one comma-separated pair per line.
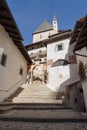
x,y
55,26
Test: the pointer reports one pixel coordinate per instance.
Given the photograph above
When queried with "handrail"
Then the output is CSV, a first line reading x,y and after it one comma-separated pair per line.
x,y
12,86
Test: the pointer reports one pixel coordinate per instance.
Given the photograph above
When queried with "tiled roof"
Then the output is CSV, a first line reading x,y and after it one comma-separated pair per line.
x,y
45,26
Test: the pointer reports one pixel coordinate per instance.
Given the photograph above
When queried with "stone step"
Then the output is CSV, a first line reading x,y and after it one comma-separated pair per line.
x,y
5,109
43,115
32,104
43,120
37,93
34,100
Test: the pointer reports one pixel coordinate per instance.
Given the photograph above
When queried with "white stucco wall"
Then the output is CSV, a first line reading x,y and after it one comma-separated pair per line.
x,y
54,54
10,79
62,76
45,35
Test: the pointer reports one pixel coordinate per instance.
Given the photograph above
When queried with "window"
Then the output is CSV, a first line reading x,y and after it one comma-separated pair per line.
x,y
55,22
40,36
81,90
21,71
75,100
31,53
3,59
58,47
45,59
41,45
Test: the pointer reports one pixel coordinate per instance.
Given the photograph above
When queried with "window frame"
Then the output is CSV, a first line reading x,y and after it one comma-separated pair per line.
x,y
21,71
58,50
3,59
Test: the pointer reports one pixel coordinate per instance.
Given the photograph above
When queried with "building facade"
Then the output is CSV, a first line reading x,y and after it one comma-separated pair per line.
x,y
53,57
79,41
38,49
13,55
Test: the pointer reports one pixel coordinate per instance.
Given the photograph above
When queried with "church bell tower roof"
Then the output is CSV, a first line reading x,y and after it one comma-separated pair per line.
x,y
54,18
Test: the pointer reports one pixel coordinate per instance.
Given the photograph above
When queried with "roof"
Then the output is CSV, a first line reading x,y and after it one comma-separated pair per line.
x,y
45,26
8,22
79,36
54,18
57,37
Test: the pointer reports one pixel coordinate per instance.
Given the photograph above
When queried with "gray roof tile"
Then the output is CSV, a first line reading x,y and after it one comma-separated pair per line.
x,y
45,26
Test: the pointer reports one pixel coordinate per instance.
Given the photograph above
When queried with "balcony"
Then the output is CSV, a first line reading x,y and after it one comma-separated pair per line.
x,y
41,54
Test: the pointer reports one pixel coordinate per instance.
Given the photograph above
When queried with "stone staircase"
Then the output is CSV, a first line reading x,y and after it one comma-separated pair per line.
x,y
37,93
39,116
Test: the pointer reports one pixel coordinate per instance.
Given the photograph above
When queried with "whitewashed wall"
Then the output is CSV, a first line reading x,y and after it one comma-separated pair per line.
x,y
45,35
55,55
10,79
62,76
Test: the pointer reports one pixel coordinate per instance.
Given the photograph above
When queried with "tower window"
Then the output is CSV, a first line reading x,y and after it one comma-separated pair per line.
x,y
40,36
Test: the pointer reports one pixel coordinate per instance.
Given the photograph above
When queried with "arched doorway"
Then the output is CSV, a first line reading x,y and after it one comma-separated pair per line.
x,y
38,73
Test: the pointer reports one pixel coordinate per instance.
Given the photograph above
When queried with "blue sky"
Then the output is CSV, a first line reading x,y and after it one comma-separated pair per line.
x,y
29,14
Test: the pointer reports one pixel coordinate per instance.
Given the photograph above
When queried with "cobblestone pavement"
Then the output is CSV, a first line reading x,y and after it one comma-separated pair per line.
x,y
45,114
49,119
41,126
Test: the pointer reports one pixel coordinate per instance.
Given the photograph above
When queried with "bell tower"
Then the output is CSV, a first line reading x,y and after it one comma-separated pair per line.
x,y
55,26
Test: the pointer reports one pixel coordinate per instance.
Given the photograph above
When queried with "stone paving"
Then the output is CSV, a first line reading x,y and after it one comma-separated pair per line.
x,y
58,118
41,126
48,115
36,92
